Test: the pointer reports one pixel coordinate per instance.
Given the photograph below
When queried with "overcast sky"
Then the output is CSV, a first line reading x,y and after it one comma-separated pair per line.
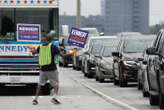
x,y
92,7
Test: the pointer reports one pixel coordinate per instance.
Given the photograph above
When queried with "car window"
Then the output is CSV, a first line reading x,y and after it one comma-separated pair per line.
x,y
160,43
108,51
156,41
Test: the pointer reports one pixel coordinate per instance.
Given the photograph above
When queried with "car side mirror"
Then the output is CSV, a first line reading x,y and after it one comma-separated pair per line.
x,y
144,62
140,59
87,53
151,51
116,54
98,56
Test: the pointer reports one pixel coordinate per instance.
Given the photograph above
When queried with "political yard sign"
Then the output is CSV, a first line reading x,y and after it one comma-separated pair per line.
x,y
28,32
78,37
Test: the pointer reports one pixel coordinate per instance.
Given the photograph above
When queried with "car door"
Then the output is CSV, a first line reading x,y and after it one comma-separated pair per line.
x,y
154,63
117,61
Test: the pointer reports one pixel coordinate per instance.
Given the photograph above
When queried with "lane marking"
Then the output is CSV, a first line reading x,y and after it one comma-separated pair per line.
x,y
107,98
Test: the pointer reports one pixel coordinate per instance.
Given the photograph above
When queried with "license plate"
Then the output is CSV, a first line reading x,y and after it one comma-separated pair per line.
x,y
15,79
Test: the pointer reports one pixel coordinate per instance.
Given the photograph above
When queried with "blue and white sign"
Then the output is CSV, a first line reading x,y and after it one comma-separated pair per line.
x,y
15,49
78,37
28,32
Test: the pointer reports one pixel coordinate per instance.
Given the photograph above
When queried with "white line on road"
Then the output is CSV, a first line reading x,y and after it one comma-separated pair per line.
x,y
107,98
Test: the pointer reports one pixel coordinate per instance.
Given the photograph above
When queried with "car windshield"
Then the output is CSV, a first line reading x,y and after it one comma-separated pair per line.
x,y
96,49
108,51
103,40
99,41
136,45
92,32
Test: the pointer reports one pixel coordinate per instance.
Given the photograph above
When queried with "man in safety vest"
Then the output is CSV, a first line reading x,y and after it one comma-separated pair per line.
x,y
47,61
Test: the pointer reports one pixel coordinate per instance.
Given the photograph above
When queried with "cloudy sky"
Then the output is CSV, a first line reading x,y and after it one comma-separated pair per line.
x,y
92,7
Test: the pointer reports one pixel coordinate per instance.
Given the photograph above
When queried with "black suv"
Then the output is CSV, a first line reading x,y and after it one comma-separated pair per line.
x,y
156,70
125,66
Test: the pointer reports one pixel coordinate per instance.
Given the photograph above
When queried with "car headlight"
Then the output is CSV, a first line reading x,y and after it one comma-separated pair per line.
x,y
80,57
108,66
130,63
70,51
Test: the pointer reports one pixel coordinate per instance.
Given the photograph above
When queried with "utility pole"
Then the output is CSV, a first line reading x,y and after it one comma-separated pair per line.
x,y
78,14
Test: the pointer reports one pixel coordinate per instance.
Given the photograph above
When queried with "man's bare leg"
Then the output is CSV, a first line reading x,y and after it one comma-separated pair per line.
x,y
55,99
35,101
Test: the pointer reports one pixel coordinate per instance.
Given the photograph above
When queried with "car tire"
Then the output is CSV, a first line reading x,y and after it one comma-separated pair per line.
x,y
161,101
139,86
60,64
97,79
74,67
153,99
65,64
145,93
122,82
101,80
86,68
115,82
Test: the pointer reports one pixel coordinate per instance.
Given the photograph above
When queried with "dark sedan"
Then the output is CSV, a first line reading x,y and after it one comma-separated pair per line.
x,y
125,66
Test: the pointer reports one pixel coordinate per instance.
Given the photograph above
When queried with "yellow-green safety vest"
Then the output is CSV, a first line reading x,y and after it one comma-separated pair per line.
x,y
45,55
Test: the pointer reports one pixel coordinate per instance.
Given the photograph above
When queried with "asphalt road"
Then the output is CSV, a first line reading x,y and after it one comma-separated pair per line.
x,y
72,94
128,97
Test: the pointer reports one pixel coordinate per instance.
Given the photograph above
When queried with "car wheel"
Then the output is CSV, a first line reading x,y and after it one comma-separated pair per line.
x,y
145,93
153,99
86,68
65,64
74,67
161,101
139,86
101,80
97,79
116,82
89,75
82,69
60,64
122,81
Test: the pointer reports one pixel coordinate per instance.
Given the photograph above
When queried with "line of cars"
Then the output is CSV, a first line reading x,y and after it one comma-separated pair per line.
x,y
125,58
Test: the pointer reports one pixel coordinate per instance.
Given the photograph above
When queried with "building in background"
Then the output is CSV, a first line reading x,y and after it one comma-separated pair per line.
x,y
90,21
125,15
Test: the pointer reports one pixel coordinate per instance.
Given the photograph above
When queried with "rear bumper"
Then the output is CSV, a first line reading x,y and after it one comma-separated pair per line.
x,y
68,60
18,80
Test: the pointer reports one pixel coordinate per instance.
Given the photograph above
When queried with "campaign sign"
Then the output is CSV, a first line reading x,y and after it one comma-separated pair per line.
x,y
77,37
28,32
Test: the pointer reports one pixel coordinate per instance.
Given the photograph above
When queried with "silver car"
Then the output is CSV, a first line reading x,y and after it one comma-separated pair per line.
x,y
104,63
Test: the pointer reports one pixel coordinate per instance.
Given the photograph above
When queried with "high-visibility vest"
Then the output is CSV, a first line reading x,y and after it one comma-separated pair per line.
x,y
45,55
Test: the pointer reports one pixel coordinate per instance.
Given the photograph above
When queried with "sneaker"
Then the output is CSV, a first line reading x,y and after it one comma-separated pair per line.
x,y
55,101
34,102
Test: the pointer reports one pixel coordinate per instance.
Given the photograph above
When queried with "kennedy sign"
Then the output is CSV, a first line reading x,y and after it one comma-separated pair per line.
x,y
28,32
78,37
